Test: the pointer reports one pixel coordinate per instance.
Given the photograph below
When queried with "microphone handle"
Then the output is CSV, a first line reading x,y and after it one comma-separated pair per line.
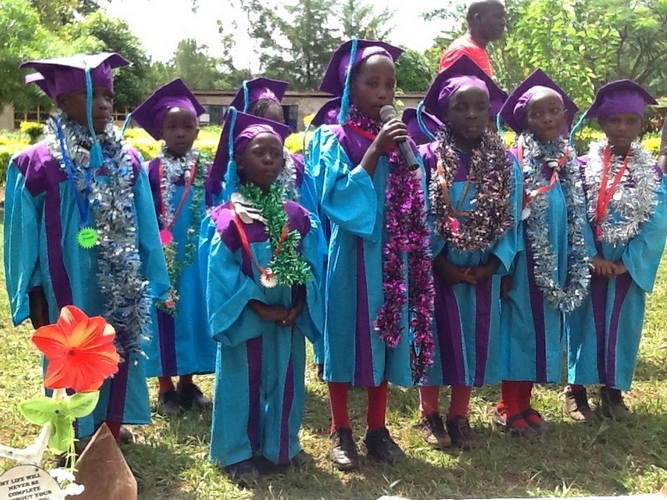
x,y
408,155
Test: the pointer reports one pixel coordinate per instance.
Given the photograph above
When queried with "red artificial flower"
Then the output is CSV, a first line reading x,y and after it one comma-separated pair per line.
x,y
79,350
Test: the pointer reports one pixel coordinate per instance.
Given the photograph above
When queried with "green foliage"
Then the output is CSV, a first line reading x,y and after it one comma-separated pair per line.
x,y
194,65
54,14
34,130
413,72
361,20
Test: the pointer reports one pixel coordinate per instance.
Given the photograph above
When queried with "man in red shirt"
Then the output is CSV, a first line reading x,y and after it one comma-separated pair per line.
x,y
486,23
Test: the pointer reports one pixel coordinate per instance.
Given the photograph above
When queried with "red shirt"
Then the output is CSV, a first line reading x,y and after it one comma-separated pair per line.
x,y
465,45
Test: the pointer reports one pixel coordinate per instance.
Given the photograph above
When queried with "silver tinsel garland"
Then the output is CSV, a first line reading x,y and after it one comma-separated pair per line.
x,y
112,202
287,176
172,170
634,200
567,297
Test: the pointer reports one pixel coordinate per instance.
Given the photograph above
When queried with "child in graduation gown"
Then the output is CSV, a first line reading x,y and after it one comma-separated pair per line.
x,y
627,212
422,126
180,344
475,193
80,228
260,269
550,274
379,286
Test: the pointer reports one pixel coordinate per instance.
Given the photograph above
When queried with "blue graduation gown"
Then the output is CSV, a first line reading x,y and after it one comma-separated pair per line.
x,y
467,318
531,330
259,378
180,344
604,332
354,203
41,249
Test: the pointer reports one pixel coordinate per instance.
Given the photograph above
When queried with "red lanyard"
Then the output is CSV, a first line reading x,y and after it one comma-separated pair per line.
x,y
188,183
605,195
246,245
364,133
527,197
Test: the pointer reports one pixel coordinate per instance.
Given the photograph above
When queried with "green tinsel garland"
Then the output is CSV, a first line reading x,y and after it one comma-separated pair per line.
x,y
174,267
287,265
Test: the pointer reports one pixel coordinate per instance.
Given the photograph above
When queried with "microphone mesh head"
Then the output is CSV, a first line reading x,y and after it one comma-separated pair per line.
x,y
387,113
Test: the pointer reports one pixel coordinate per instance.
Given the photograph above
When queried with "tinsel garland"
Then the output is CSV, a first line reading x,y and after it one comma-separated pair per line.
x,y
634,200
287,177
407,232
174,169
112,202
490,175
286,265
567,297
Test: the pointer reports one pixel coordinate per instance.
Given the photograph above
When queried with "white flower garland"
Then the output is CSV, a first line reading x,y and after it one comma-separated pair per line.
x,y
634,200
570,296
112,202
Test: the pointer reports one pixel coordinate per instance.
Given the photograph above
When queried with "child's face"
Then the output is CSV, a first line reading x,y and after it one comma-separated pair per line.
x,y
545,116
373,84
621,129
261,160
467,112
179,131
74,104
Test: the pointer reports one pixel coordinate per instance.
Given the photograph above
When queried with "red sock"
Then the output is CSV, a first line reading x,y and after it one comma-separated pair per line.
x,y
428,400
509,402
525,394
338,402
165,384
459,401
576,387
377,405
184,380
114,428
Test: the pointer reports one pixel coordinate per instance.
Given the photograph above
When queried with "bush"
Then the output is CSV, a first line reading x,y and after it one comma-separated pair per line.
x,y
34,130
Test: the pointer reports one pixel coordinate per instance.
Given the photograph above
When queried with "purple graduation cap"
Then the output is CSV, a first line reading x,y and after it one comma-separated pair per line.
x,y
339,67
175,94
39,80
462,72
239,129
620,96
514,109
431,123
256,89
327,114
67,74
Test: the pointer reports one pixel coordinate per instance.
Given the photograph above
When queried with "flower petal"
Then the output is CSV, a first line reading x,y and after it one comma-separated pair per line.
x,y
51,340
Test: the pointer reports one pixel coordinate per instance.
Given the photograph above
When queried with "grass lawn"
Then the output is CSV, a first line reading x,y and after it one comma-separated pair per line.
x,y
607,458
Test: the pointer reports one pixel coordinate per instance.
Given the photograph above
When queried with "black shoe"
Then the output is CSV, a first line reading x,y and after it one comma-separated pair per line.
x,y
190,396
576,406
380,446
461,434
343,452
168,403
433,431
302,459
125,436
244,473
612,404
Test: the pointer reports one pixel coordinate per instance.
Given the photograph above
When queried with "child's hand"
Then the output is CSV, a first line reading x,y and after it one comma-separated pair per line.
x,y
483,272
505,287
294,312
603,267
620,268
273,313
391,132
454,275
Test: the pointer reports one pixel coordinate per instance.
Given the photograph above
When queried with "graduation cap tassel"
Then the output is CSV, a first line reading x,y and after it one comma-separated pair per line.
x,y
345,99
499,127
126,124
246,96
95,151
230,175
575,128
420,122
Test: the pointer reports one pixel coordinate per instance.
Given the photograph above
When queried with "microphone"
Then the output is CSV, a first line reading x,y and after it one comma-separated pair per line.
x,y
387,113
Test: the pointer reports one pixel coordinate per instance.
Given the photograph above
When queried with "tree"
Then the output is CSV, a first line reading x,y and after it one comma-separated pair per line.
x,y
361,20
413,72
132,84
194,65
295,39
55,14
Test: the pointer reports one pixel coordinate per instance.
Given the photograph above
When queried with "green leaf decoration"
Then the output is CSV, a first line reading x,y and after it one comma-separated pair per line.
x,y
82,404
40,410
62,435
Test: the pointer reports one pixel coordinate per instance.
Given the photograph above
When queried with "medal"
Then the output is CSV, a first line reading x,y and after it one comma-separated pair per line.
x,y
86,237
268,280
